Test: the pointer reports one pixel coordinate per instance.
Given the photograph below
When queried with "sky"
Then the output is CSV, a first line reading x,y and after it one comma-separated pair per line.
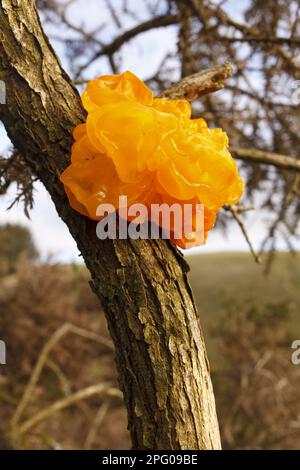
x,y
49,232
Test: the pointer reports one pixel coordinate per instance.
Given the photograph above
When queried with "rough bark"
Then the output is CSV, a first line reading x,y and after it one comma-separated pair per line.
x,y
142,285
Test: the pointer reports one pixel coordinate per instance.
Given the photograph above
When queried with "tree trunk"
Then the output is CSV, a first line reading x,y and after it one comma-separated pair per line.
x,y
142,284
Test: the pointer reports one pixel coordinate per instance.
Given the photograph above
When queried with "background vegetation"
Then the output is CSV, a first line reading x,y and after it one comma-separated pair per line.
x,y
250,322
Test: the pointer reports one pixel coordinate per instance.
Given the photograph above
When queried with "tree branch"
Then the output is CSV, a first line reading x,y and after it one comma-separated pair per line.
x,y
295,41
201,83
267,158
142,284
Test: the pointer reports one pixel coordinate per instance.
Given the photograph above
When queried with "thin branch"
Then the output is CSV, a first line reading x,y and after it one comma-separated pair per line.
x,y
295,41
260,99
100,415
239,209
62,379
113,13
114,46
235,214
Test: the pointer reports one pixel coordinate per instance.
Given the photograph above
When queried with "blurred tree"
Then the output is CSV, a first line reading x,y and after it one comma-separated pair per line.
x,y
15,240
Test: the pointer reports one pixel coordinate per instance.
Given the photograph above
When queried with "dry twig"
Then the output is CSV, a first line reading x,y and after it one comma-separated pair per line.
x,y
53,340
106,389
235,214
96,424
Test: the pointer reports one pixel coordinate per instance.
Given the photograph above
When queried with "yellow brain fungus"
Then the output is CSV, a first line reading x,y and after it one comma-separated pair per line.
x,y
150,150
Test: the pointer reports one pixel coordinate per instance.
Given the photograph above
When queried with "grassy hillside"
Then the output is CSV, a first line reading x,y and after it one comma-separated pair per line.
x,y
222,281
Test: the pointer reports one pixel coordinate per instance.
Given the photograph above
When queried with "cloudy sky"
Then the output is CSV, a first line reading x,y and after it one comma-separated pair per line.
x,y
141,57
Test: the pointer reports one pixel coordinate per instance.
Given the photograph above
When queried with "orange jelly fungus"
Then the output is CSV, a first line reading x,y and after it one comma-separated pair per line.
x,y
150,150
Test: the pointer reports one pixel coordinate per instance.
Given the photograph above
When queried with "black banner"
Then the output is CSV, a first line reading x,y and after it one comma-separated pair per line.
x,y
139,459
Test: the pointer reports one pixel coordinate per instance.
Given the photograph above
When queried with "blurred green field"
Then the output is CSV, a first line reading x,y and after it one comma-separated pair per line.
x,y
230,280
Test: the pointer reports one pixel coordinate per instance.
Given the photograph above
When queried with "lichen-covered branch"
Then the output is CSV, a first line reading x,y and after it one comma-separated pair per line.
x,y
201,83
